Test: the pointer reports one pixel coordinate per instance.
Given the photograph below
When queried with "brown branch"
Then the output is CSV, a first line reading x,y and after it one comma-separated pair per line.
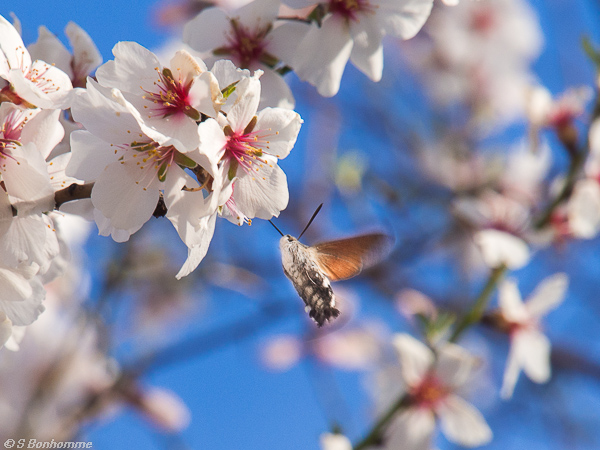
x,y
72,192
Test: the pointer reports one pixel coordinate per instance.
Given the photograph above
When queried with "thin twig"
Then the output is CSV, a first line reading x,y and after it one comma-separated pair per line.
x,y
476,312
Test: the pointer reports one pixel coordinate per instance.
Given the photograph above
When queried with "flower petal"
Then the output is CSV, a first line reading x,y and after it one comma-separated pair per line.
x,y
275,91
415,357
498,247
403,18
197,252
13,53
6,329
90,156
511,305
367,52
134,68
324,68
207,30
262,194
533,350
122,198
49,48
548,295
462,423
86,56
45,130
454,365
331,441
412,429
285,125
246,105
21,296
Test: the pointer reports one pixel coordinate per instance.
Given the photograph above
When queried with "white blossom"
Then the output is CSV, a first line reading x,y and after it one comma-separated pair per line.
x,y
432,382
244,147
170,99
35,82
529,347
354,30
250,37
77,65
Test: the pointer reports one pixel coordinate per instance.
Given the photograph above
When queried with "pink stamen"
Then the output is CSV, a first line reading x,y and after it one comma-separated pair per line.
x,y
246,46
172,96
429,392
351,9
10,133
153,159
247,149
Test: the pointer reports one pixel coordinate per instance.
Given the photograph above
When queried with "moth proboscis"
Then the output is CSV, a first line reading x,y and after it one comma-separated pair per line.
x,y
312,268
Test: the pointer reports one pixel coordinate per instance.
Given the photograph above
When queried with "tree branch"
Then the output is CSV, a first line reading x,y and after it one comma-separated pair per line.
x,y
73,192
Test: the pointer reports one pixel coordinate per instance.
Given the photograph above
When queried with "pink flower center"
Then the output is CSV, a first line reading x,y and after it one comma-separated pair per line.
x,y
10,133
562,117
171,96
246,149
153,158
350,9
483,20
246,47
429,393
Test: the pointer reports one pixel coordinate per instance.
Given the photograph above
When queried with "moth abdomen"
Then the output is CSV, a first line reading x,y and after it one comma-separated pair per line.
x,y
318,296
310,282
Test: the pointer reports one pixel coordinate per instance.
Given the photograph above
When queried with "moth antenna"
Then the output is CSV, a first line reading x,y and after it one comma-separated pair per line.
x,y
276,227
311,220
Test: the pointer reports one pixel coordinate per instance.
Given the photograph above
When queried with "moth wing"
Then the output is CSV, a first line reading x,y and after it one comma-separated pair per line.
x,y
345,258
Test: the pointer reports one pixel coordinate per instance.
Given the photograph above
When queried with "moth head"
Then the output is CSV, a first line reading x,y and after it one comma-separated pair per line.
x,y
287,239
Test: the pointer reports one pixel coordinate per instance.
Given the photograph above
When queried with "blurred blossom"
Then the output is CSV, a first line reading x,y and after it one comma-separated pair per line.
x,y
330,441
33,82
252,38
478,54
80,64
58,368
5,329
524,174
544,111
162,407
529,347
282,352
14,341
580,217
346,349
451,163
353,31
498,226
411,302
431,382
350,349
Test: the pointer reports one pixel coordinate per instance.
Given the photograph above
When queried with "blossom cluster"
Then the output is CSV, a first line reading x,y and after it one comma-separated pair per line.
x,y
177,139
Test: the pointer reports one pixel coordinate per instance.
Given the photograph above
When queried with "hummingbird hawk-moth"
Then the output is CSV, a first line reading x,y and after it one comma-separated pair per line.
x,y
311,269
